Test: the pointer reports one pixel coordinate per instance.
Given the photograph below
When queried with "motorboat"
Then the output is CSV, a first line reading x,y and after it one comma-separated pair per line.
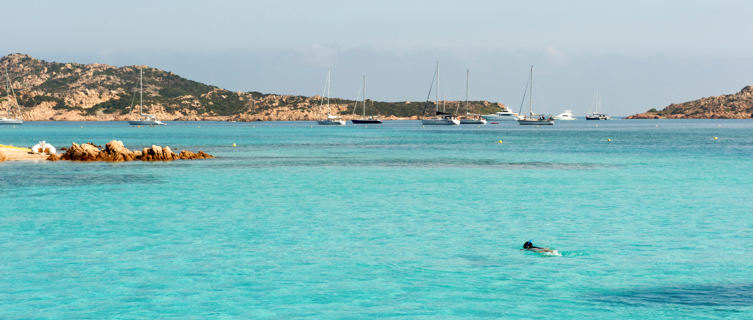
x,y
566,115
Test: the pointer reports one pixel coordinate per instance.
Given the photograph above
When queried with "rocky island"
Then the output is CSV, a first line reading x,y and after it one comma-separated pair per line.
x,y
52,91
730,106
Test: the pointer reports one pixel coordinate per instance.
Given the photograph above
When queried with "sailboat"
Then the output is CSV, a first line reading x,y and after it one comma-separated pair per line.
x,y
144,118
532,118
440,118
332,120
10,115
472,118
364,119
596,104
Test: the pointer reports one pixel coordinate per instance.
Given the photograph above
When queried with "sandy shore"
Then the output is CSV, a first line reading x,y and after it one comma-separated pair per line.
x,y
20,154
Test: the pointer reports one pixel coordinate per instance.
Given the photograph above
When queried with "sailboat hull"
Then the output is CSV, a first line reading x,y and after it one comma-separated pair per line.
x,y
331,122
598,117
146,123
473,121
366,121
10,121
535,122
440,122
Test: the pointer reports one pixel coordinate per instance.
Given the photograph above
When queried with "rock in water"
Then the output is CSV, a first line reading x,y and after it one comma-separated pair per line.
x,y
115,151
2,157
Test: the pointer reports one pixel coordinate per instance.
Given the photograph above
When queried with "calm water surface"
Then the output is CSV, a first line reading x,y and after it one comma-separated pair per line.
x,y
396,221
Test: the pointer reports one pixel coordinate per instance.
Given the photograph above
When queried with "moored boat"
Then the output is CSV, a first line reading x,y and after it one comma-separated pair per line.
x,y
12,116
331,120
144,119
364,119
532,118
440,117
565,115
470,118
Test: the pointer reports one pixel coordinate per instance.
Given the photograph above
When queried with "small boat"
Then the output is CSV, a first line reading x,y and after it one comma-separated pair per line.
x,y
144,118
331,120
43,147
505,115
532,118
471,118
440,117
364,119
12,116
596,105
566,115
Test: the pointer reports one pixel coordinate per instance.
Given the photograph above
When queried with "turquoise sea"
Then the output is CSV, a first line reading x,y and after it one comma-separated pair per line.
x,y
390,221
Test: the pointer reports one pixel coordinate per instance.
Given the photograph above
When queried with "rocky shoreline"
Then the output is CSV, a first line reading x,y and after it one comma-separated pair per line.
x,y
114,151
730,106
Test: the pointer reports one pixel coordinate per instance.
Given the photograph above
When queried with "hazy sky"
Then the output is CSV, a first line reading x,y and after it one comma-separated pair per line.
x,y
638,54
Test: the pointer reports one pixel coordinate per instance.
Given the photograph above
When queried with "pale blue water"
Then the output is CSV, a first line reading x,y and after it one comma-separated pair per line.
x,y
393,221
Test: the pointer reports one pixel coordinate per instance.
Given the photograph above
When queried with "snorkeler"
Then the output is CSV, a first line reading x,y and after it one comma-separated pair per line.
x,y
530,247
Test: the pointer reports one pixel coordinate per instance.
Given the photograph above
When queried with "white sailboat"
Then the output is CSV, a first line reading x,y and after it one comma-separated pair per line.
x,y
11,117
331,120
144,118
596,106
532,118
470,118
440,118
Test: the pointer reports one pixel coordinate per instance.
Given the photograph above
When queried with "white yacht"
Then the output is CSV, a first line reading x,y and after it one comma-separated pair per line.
x,y
332,119
11,116
566,115
470,118
532,118
144,118
440,117
504,115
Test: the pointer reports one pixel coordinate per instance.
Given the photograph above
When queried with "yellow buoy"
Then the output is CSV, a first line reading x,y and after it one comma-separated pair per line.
x,y
610,139
233,145
716,138
500,141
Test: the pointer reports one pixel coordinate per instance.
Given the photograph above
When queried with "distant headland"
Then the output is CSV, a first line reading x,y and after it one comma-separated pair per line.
x,y
730,106
52,91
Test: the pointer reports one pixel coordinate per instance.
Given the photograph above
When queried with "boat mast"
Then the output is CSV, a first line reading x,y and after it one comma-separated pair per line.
x,y
141,91
7,86
11,92
530,97
329,90
436,93
364,96
467,77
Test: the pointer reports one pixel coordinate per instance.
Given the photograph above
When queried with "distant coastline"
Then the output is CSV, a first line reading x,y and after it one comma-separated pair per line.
x,y
53,91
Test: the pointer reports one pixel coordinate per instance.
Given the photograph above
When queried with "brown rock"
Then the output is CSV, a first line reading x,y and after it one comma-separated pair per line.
x,y
53,157
2,157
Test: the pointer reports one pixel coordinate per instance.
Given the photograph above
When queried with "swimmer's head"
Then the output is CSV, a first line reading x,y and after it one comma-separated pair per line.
x,y
528,245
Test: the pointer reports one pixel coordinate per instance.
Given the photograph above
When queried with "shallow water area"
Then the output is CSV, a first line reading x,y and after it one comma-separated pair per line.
x,y
393,220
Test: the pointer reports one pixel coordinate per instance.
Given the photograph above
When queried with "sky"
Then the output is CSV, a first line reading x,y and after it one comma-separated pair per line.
x,y
638,54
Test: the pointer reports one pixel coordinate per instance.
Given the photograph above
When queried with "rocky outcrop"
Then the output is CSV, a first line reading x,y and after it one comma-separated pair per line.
x,y
2,157
115,151
730,106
